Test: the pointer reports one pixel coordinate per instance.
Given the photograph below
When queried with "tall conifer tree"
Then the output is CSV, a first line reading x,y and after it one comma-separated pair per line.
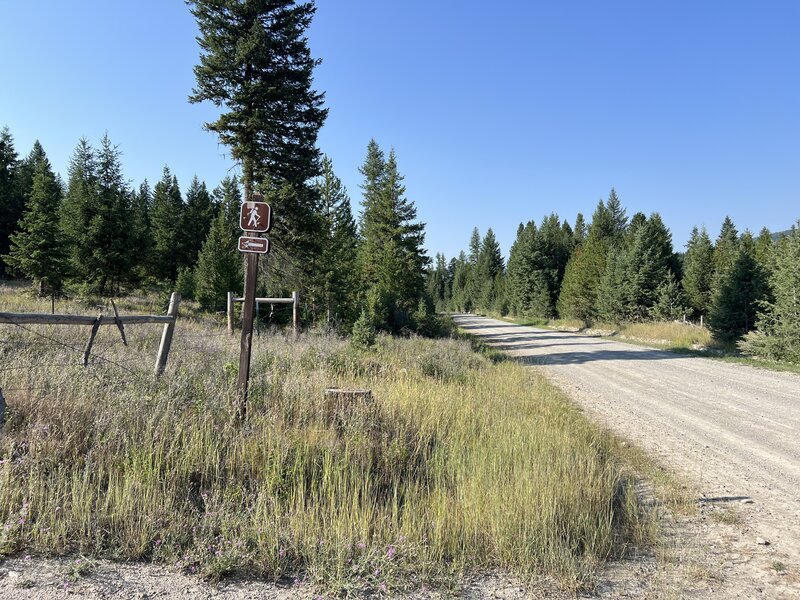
x,y
698,272
198,214
616,214
741,287
726,247
37,247
12,194
338,260
585,270
115,252
167,219
219,266
489,269
142,234
97,218
255,62
778,335
392,256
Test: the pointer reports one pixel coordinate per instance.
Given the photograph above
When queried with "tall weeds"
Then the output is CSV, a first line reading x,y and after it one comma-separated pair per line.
x,y
457,465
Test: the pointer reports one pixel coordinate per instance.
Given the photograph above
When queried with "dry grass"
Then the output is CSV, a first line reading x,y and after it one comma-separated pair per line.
x,y
670,333
459,465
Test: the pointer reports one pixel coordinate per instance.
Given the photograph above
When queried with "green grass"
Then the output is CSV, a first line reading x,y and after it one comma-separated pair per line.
x,y
459,465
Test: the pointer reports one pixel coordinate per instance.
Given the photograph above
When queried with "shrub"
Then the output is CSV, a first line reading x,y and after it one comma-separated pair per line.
x,y
363,335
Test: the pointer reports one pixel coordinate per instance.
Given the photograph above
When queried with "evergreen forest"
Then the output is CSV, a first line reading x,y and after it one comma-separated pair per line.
x,y
616,270
362,271
98,234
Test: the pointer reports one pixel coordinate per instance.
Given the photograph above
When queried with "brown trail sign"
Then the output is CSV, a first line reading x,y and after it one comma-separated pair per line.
x,y
255,216
255,245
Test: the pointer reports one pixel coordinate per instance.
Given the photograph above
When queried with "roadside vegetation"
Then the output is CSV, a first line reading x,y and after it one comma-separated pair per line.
x,y
677,336
460,464
623,275
674,335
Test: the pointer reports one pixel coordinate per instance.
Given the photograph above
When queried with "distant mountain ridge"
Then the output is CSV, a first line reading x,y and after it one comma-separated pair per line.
x,y
778,235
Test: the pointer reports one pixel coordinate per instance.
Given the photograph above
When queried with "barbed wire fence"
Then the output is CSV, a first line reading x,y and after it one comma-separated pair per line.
x,y
35,345
38,356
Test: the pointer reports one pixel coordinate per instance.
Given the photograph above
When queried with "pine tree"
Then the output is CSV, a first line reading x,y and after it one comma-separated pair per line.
x,y
373,172
579,231
97,219
141,232
519,269
635,270
228,198
37,247
339,250
80,209
764,250
12,194
472,292
391,256
698,272
648,266
585,269
198,214
637,220
167,218
113,251
255,62
436,286
726,247
474,246
778,334
219,266
742,286
670,302
614,288
458,299
553,249
489,267
617,215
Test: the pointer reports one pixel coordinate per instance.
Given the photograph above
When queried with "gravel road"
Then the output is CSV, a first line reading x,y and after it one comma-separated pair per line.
x,y
731,429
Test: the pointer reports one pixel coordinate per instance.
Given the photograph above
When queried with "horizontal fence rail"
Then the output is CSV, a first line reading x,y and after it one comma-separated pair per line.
x,y
168,320
46,319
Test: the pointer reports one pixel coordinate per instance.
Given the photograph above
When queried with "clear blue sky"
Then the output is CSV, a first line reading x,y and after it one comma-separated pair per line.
x,y
499,112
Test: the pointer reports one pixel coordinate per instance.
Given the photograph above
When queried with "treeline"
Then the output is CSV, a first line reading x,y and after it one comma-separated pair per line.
x,y
97,234
619,270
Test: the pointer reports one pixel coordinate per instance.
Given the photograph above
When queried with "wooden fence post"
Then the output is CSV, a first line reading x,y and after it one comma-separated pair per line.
x,y
120,326
230,313
246,344
295,320
2,408
90,343
166,336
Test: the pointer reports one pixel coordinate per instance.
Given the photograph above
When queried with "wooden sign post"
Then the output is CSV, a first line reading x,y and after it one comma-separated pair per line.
x,y
255,218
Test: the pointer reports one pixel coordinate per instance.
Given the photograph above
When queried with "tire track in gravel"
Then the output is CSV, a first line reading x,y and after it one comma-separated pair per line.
x,y
734,430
